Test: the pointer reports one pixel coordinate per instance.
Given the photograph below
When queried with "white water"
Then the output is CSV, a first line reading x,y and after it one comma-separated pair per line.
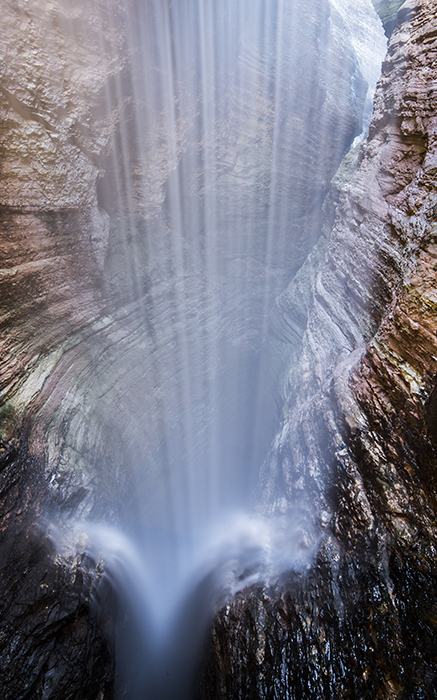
x,y
169,588
215,136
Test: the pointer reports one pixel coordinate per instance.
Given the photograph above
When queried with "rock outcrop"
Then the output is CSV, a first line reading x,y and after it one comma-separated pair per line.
x,y
100,313
58,63
357,444
104,310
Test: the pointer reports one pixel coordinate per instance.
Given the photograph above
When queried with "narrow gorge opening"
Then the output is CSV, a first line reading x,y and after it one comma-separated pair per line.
x,y
234,118
189,151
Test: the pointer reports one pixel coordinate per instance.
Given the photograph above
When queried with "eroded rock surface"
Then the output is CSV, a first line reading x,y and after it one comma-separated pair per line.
x,y
59,63
53,643
119,301
93,329
55,126
357,444
387,10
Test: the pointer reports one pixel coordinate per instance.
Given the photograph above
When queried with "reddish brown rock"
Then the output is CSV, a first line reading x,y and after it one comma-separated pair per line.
x,y
357,445
91,375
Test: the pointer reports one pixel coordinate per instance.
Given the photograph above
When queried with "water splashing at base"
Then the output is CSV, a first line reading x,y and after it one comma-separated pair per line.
x,y
169,590
233,118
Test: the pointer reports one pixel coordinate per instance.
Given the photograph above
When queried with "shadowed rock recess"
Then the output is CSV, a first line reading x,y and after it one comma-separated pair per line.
x,y
92,338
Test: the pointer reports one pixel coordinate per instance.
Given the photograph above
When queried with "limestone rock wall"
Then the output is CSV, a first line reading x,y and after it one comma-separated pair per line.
x,y
101,383
387,10
58,62
92,331
357,444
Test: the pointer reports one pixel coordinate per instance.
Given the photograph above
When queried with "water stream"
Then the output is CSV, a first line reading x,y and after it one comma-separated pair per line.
x,y
234,116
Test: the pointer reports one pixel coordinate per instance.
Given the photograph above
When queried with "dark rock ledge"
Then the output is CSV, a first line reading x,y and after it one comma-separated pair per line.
x,y
53,640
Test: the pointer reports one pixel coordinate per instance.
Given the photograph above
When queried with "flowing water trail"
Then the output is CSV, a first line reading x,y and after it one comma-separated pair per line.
x,y
169,587
232,122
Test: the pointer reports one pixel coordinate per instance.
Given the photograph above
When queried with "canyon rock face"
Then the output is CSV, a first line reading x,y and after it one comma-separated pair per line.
x,y
104,296
98,322
357,448
59,65
56,123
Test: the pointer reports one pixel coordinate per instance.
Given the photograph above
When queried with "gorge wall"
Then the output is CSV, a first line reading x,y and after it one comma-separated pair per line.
x,y
94,335
357,435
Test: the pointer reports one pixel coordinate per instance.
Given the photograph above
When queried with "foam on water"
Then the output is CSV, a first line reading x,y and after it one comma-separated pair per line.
x,y
169,589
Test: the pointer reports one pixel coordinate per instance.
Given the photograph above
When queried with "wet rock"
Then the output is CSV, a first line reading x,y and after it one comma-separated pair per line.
x,y
53,642
387,10
98,286
92,332
58,63
55,127
357,443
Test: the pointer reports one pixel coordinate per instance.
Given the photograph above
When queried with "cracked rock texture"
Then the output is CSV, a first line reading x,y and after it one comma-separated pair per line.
x,y
92,333
357,446
59,62
56,123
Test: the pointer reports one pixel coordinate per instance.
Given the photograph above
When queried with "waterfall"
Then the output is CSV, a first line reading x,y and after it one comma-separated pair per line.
x,y
233,117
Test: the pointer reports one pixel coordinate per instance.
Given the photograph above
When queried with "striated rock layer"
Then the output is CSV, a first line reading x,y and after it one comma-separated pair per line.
x,y
93,335
357,445
56,123
99,310
387,10
104,309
